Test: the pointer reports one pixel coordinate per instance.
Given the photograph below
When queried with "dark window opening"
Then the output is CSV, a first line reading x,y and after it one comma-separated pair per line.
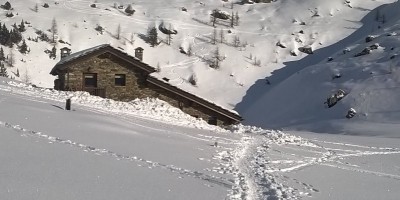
x,y
90,80
180,105
120,79
212,120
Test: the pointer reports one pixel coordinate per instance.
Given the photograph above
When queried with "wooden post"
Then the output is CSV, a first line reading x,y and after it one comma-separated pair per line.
x,y
68,104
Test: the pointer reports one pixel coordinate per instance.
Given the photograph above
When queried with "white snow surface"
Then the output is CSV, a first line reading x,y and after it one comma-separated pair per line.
x,y
260,27
145,149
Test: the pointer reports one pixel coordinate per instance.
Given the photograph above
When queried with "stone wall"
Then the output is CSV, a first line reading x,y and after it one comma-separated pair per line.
x,y
107,65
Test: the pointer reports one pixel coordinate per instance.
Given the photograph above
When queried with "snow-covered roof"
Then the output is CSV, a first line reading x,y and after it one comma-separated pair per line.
x,y
81,53
206,103
60,65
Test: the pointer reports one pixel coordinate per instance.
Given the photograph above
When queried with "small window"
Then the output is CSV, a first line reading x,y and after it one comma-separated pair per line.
x,y
212,120
90,80
120,79
180,105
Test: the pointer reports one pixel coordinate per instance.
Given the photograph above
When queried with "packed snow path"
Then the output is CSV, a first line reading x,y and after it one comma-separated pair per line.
x,y
275,165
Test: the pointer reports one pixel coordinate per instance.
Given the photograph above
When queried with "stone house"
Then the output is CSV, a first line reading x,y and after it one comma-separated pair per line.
x,y
108,72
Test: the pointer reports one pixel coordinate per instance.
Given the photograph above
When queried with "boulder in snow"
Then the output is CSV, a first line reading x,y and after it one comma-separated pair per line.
x,y
220,14
306,49
369,38
279,44
351,113
367,50
167,28
334,98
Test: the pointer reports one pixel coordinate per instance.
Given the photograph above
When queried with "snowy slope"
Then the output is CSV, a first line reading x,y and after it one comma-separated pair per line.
x,y
261,26
371,81
110,152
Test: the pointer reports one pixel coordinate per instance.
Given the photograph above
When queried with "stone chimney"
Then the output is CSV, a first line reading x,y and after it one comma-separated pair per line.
x,y
65,51
139,53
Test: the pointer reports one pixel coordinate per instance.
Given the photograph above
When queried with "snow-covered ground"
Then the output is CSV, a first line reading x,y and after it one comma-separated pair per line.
x,y
371,83
260,27
91,153
117,152
146,149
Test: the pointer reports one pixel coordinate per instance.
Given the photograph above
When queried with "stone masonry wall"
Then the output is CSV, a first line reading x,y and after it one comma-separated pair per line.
x,y
107,65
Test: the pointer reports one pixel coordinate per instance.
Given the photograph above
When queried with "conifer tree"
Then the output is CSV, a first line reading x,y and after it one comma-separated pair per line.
x,y
217,59
21,27
232,22
237,18
53,30
213,17
118,33
4,34
2,57
53,53
221,36
214,37
3,70
169,35
11,57
23,48
236,41
152,35
15,37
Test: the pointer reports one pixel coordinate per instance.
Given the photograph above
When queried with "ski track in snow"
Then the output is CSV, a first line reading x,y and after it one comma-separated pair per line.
x,y
104,152
259,175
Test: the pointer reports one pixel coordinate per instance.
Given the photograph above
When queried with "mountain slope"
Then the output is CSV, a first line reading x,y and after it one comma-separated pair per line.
x,y
371,82
261,26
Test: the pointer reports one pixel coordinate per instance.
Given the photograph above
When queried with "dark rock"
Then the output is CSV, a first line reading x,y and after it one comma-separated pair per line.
x,y
351,113
166,30
369,38
279,44
220,14
307,50
366,51
334,98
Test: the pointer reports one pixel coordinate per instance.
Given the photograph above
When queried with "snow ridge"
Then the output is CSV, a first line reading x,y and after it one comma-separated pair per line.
x,y
149,108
